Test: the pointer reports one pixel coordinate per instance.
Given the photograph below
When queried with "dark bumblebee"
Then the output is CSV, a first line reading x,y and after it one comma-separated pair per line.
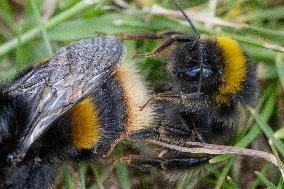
x,y
38,127
75,106
207,80
81,102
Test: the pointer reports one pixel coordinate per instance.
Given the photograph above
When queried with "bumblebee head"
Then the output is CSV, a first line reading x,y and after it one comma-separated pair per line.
x,y
219,68
190,63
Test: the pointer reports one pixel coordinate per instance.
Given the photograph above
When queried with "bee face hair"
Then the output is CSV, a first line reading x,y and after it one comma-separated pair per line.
x,y
183,66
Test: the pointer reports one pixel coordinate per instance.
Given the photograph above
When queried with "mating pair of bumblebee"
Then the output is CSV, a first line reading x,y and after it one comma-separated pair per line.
x,y
81,102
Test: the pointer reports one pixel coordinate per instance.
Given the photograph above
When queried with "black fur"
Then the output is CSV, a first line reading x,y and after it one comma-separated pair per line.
x,y
186,56
13,117
31,173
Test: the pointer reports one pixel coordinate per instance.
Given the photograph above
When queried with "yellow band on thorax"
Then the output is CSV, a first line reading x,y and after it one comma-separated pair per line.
x,y
234,72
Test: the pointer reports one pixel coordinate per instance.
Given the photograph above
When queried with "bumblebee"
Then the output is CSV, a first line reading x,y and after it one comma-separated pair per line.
x,y
38,126
207,81
82,101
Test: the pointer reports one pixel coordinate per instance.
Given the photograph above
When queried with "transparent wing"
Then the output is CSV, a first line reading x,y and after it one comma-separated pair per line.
x,y
53,87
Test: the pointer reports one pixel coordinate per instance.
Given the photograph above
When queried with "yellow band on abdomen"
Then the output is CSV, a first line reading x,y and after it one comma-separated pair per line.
x,y
86,131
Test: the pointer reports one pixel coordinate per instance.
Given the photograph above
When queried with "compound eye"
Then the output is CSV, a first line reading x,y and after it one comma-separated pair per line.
x,y
194,73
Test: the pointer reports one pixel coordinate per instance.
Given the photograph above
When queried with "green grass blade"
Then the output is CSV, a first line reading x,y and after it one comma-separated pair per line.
x,y
279,134
275,13
31,34
280,68
7,17
265,180
110,24
101,174
42,28
267,131
83,171
280,183
67,178
220,158
259,53
122,173
272,35
95,171
224,174
264,170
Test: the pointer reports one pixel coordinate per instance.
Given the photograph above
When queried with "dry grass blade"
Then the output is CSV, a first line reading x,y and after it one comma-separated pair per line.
x,y
204,148
280,163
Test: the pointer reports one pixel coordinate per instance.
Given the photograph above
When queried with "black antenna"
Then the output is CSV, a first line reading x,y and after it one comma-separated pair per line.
x,y
200,47
187,18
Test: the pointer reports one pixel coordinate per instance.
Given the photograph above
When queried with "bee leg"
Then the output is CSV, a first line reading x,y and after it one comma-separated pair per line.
x,y
172,97
176,132
142,36
172,132
169,40
169,37
171,164
145,133
161,96
149,36
163,46
168,164
176,36
197,135
155,132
